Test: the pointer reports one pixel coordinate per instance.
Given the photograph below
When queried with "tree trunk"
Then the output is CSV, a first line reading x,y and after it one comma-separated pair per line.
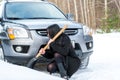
x,y
76,11
106,9
85,11
82,11
118,5
68,1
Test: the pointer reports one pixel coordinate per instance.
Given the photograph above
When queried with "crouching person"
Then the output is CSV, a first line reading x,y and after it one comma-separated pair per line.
x,y
65,59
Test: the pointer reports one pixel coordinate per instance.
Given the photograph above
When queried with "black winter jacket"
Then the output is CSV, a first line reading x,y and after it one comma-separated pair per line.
x,y
63,46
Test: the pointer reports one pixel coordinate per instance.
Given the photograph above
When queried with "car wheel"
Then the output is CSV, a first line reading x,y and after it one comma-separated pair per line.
x,y
1,54
84,63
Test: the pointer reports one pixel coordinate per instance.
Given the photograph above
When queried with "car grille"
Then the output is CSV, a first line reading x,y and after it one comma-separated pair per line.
x,y
43,32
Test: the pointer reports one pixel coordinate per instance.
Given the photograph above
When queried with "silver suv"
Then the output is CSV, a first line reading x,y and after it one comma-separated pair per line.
x,y
23,30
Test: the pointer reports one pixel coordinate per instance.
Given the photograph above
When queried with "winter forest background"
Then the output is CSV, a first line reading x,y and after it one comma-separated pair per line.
x,y
97,14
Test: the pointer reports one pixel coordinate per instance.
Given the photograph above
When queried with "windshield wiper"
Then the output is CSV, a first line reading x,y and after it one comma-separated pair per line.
x,y
42,18
14,18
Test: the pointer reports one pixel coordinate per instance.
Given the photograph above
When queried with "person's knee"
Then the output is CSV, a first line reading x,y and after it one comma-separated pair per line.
x,y
58,57
51,68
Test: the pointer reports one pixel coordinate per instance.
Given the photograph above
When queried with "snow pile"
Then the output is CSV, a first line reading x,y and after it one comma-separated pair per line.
x,y
14,72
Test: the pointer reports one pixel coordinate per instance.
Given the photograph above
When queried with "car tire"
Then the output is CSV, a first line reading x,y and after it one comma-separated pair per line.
x,y
1,54
84,63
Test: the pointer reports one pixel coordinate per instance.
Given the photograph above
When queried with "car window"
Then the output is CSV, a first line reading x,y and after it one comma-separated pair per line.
x,y
32,11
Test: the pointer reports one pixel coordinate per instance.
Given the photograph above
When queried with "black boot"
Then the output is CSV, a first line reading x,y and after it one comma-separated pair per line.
x,y
59,59
62,71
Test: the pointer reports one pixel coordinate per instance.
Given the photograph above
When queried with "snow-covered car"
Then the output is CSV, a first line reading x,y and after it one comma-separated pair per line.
x,y
23,30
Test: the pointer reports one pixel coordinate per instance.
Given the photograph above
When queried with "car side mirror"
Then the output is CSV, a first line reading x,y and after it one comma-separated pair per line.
x,y
70,16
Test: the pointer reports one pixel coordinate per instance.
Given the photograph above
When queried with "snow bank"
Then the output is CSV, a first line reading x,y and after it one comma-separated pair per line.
x,y
14,72
104,62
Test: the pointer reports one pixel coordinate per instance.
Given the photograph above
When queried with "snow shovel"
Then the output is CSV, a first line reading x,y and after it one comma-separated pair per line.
x,y
32,62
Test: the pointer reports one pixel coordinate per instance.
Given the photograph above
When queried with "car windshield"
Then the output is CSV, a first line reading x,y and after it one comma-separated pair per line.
x,y
33,11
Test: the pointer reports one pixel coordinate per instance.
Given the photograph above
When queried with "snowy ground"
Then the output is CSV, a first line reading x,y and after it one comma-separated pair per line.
x,y
104,63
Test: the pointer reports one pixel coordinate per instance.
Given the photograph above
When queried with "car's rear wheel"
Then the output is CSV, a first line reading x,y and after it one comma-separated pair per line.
x,y
84,63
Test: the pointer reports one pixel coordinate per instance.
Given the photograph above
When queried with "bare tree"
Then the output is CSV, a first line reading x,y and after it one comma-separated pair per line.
x,y
82,11
93,14
85,11
117,2
106,9
76,10
56,1
68,1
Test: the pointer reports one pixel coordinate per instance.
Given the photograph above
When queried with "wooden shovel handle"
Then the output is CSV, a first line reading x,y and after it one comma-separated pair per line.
x,y
54,38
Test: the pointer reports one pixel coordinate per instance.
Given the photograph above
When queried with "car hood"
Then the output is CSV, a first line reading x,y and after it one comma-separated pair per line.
x,y
43,23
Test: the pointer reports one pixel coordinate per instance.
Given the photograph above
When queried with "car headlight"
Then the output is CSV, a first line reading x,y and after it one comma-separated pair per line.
x,y
17,32
87,30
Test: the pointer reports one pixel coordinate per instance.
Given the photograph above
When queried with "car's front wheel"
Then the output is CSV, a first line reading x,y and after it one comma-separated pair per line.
x,y
1,54
84,63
